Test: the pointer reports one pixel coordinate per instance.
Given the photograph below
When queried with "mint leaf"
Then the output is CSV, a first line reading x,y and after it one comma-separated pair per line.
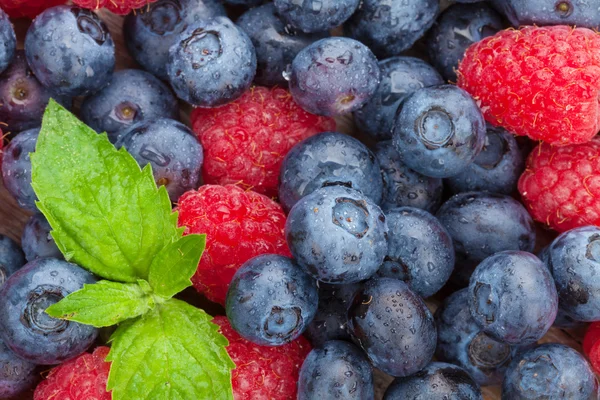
x,y
173,267
107,215
104,303
173,352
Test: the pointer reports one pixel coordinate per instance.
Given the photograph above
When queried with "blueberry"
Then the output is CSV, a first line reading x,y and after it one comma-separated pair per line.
x,y
316,15
550,371
390,27
512,297
131,96
270,300
496,169
580,13
328,159
439,131
11,258
246,3
455,30
26,329
171,148
400,77
483,224
393,326
37,241
337,370
437,381
564,321
211,63
404,187
16,374
334,76
337,235
275,42
80,58
8,40
16,168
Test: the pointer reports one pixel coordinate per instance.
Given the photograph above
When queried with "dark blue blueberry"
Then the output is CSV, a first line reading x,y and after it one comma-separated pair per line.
x,y
400,77
439,131
389,27
334,76
16,168
131,96
316,15
16,374
337,235
275,42
564,321
581,13
11,258
482,224
271,301
211,63
455,30
246,3
8,41
171,148
550,371
404,187
496,169
80,57
437,381
512,297
328,159
25,327
420,251
337,370
393,325
37,241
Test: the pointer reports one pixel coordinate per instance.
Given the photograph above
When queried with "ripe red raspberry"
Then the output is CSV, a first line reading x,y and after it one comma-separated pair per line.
x,y
121,7
82,378
592,335
246,141
263,372
238,224
27,8
540,82
594,356
561,185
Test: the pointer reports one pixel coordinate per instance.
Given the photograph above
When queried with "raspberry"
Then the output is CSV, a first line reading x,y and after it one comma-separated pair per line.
x,y
263,372
121,7
27,8
246,140
561,185
539,82
592,335
82,378
594,356
239,225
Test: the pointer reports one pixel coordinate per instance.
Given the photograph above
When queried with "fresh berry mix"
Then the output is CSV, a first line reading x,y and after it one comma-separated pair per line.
x,y
11,258
239,225
121,7
27,8
8,40
16,168
316,16
549,12
37,241
561,185
246,141
16,374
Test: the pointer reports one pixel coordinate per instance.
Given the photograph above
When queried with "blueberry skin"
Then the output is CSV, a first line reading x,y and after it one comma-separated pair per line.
x,y
564,321
403,187
211,63
16,374
271,301
16,168
334,76
11,258
389,27
439,131
550,371
393,326
337,235
457,28
150,32
171,148
37,241
246,3
328,159
8,40
437,381
337,370
512,297
316,16
131,96
400,77
579,13
276,43
496,169
80,68
27,329
482,224
420,251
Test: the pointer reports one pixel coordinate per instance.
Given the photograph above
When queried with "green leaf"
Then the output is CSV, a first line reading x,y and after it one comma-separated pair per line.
x,y
173,352
104,303
107,215
173,267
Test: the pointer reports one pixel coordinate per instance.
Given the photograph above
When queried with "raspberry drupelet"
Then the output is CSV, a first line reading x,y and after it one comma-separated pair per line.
x,y
120,7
